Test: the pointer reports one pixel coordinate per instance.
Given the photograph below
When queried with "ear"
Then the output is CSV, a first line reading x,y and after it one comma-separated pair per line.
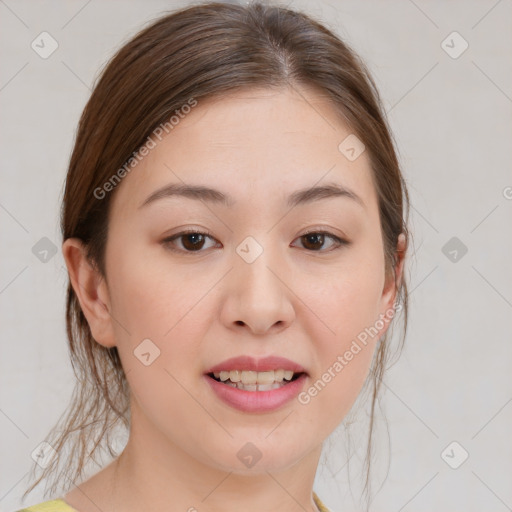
x,y
392,284
91,290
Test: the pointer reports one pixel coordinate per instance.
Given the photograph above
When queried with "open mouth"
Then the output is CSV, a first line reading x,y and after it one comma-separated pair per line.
x,y
257,391
254,381
294,377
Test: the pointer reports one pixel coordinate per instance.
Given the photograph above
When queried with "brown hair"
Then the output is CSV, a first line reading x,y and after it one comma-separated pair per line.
x,y
202,51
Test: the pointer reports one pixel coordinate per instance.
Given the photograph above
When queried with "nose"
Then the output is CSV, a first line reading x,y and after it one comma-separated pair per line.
x,y
259,297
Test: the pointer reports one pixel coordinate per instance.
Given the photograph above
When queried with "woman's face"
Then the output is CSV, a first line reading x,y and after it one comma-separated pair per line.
x,y
254,286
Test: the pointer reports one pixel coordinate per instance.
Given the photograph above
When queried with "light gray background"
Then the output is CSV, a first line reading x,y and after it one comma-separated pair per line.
x,y
452,123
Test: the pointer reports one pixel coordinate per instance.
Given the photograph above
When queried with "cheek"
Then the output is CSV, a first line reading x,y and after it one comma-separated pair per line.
x,y
152,296
345,300
346,308
166,307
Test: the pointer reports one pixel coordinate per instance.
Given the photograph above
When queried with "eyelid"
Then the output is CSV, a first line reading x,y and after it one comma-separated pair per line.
x,y
340,241
202,231
323,231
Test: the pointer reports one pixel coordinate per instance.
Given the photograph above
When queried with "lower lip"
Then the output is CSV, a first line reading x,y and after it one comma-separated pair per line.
x,y
257,401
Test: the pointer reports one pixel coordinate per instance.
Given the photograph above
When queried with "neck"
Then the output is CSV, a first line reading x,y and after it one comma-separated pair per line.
x,y
154,474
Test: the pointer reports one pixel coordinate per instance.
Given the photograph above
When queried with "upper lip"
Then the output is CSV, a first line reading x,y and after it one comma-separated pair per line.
x,y
257,364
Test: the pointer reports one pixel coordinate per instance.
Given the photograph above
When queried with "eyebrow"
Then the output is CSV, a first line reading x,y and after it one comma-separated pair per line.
x,y
203,193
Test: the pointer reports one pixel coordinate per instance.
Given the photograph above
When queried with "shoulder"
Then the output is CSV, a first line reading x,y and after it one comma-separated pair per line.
x,y
57,505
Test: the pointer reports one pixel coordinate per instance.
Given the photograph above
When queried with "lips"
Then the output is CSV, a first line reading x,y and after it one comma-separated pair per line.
x,y
250,363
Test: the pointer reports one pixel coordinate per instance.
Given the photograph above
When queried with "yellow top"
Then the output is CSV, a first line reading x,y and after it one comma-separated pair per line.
x,y
319,504
59,505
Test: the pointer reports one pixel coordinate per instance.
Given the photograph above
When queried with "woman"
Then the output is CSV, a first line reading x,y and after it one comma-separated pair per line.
x,y
233,227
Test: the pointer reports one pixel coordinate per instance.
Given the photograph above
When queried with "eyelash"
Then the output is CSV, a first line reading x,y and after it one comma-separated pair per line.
x,y
167,241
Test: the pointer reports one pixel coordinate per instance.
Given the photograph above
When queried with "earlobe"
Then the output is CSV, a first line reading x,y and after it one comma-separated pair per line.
x,y
400,253
91,290
394,281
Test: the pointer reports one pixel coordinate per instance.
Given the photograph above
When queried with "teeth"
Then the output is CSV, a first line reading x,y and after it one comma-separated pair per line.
x,y
254,387
251,378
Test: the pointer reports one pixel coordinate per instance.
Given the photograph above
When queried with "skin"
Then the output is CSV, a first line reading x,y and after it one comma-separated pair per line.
x,y
299,299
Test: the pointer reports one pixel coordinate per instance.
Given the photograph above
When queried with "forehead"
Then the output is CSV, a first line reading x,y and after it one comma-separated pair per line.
x,y
256,143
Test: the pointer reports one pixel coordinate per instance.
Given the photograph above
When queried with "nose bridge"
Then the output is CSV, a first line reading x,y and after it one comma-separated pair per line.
x,y
261,297
257,261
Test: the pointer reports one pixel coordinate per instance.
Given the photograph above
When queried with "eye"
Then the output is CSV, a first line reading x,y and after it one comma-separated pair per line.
x,y
193,241
316,239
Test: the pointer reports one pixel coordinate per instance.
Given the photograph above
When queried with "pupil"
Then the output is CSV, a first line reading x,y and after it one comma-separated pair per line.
x,y
317,239
195,244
